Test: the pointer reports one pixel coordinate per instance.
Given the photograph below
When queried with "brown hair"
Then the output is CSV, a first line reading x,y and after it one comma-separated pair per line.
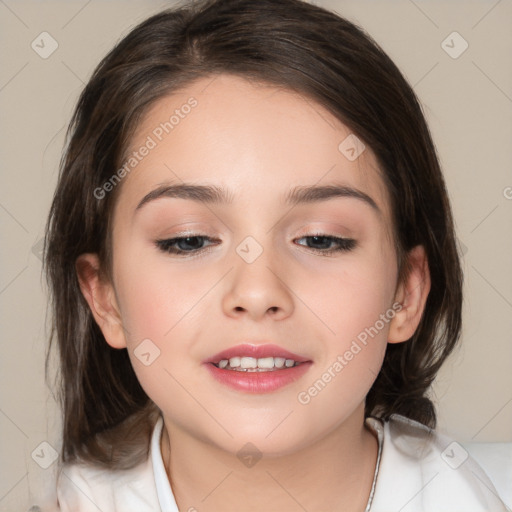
x,y
107,417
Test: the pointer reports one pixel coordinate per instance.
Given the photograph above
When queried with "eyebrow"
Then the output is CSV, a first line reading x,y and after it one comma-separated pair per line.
x,y
214,195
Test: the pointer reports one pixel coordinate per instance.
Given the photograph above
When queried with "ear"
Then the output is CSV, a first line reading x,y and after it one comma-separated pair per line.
x,y
100,296
412,295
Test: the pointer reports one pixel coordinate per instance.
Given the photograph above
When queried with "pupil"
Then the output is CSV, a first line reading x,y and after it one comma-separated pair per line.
x,y
186,241
317,238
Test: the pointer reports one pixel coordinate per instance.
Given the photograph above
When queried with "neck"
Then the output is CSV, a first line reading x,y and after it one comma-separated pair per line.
x,y
333,473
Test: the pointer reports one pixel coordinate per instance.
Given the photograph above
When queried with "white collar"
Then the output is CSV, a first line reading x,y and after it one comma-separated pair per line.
x,y
163,487
376,426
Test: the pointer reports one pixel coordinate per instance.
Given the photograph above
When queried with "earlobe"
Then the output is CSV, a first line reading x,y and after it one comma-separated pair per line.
x,y
412,295
100,296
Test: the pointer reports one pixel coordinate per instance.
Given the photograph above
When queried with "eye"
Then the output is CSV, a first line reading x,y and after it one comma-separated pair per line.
x,y
195,244
323,243
191,244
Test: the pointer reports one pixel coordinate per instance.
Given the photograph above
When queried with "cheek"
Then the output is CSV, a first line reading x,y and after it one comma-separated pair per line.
x,y
351,354
351,295
163,308
354,305
155,295
160,307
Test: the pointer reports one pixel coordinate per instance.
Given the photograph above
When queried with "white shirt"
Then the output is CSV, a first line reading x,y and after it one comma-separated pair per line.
x,y
419,471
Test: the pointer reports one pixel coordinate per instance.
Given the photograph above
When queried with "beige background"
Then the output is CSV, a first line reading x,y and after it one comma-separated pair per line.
x,y
468,103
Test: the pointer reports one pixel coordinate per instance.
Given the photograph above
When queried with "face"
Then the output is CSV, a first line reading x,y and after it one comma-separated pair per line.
x,y
195,274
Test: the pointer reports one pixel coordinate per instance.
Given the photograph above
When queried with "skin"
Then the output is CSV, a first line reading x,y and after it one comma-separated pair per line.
x,y
259,142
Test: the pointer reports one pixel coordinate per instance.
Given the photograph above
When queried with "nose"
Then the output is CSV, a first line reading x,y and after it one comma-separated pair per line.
x,y
258,289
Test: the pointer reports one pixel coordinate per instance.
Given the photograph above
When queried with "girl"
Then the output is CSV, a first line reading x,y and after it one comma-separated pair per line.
x,y
254,274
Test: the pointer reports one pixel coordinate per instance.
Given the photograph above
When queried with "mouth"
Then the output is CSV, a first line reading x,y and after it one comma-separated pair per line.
x,y
248,357
257,368
251,364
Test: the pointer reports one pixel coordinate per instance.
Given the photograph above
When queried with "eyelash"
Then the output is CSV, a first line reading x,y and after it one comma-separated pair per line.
x,y
344,245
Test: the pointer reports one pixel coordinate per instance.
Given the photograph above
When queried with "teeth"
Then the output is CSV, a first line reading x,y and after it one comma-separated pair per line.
x,y
266,362
252,364
248,362
279,362
234,362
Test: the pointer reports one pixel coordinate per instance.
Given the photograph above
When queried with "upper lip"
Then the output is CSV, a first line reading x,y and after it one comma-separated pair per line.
x,y
256,351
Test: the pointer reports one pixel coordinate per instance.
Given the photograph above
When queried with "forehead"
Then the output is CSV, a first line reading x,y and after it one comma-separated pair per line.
x,y
256,140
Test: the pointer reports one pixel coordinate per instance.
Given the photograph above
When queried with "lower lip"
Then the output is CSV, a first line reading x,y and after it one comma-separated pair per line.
x,y
258,382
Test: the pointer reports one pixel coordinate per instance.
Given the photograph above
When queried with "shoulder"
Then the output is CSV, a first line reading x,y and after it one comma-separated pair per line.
x,y
87,487
422,470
